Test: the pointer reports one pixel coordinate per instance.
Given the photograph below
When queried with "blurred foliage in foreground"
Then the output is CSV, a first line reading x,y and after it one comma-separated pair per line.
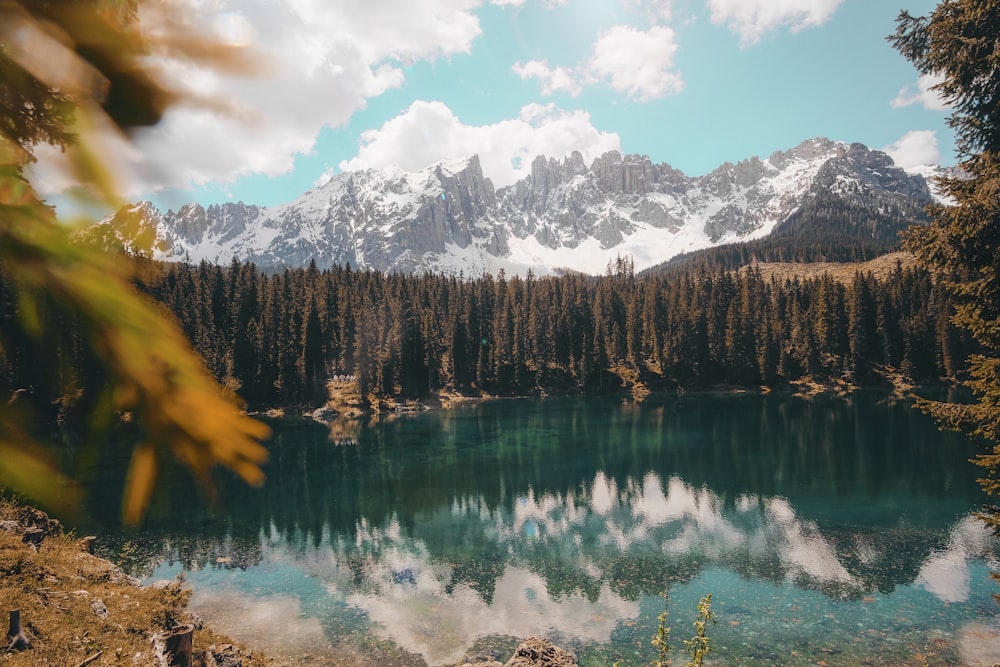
x,y
68,67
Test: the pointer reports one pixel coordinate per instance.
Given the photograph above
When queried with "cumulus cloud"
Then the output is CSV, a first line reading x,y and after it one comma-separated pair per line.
x,y
752,19
915,149
552,79
428,132
638,63
403,29
930,99
325,177
632,61
324,60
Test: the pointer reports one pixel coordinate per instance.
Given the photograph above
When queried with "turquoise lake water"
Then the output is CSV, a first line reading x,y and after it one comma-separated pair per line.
x,y
836,531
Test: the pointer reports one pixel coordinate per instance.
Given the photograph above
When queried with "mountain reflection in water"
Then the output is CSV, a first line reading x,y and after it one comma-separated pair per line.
x,y
569,517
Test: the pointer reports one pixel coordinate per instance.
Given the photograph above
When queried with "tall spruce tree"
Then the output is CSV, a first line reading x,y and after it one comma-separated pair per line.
x,y
960,42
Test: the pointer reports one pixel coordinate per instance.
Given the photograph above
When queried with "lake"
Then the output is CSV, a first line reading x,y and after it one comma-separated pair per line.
x,y
829,531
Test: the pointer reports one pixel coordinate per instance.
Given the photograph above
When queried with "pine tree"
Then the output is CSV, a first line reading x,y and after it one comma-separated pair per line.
x,y
313,356
863,329
960,41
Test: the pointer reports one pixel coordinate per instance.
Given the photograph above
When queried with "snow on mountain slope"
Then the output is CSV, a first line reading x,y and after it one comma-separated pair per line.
x,y
931,172
564,215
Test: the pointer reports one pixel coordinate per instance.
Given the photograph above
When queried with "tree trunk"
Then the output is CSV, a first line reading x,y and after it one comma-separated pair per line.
x,y
18,640
178,645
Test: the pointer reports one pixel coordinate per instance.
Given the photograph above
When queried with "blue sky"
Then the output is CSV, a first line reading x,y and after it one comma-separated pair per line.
x,y
372,83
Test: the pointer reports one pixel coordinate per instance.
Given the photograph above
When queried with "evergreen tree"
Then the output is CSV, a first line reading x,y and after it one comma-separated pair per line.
x,y
312,359
863,329
960,41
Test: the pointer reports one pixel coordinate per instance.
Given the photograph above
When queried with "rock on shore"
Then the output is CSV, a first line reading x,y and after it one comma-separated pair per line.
x,y
534,652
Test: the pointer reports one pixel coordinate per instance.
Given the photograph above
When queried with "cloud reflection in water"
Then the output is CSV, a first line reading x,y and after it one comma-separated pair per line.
x,y
416,598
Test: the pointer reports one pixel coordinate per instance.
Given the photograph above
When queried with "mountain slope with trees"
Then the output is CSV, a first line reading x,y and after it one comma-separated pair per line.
x,y
828,228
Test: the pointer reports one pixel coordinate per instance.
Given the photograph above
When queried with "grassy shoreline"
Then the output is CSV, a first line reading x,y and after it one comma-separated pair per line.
x,y
78,609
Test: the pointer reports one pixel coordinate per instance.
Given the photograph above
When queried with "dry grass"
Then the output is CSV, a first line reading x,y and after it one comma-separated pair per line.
x,y
75,606
880,267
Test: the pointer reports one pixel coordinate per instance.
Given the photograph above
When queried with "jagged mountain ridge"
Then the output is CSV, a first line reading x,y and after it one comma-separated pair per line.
x,y
563,215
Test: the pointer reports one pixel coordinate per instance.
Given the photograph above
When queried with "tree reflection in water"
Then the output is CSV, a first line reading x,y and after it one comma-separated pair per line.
x,y
568,516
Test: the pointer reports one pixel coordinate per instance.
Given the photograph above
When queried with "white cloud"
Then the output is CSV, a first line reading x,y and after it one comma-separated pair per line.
x,y
324,60
915,149
752,19
930,99
428,132
553,79
325,177
403,29
637,63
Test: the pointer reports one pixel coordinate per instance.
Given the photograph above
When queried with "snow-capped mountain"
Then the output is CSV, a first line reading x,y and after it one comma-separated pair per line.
x,y
564,215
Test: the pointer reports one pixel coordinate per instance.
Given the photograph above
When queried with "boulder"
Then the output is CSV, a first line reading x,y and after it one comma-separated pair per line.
x,y
540,652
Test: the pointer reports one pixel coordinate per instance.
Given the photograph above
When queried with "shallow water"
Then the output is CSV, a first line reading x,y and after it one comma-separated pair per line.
x,y
831,531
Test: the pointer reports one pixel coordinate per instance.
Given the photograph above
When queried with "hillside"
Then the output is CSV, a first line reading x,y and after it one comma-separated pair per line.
x,y
844,272
78,609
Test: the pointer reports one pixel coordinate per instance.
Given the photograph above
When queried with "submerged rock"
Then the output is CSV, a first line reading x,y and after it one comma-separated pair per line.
x,y
540,652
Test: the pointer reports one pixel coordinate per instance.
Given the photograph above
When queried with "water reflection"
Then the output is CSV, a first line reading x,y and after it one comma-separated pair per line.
x,y
442,622
946,572
576,565
567,518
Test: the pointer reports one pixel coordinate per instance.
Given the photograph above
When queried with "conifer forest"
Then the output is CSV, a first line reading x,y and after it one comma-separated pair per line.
x,y
276,339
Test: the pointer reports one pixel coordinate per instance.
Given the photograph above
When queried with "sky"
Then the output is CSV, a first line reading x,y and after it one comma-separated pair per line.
x,y
353,84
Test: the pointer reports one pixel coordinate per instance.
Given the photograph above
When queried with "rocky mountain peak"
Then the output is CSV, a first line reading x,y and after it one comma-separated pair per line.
x,y
574,164
858,169
562,214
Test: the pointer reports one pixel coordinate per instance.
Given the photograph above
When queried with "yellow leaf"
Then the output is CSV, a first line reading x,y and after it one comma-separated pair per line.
x,y
139,483
34,475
